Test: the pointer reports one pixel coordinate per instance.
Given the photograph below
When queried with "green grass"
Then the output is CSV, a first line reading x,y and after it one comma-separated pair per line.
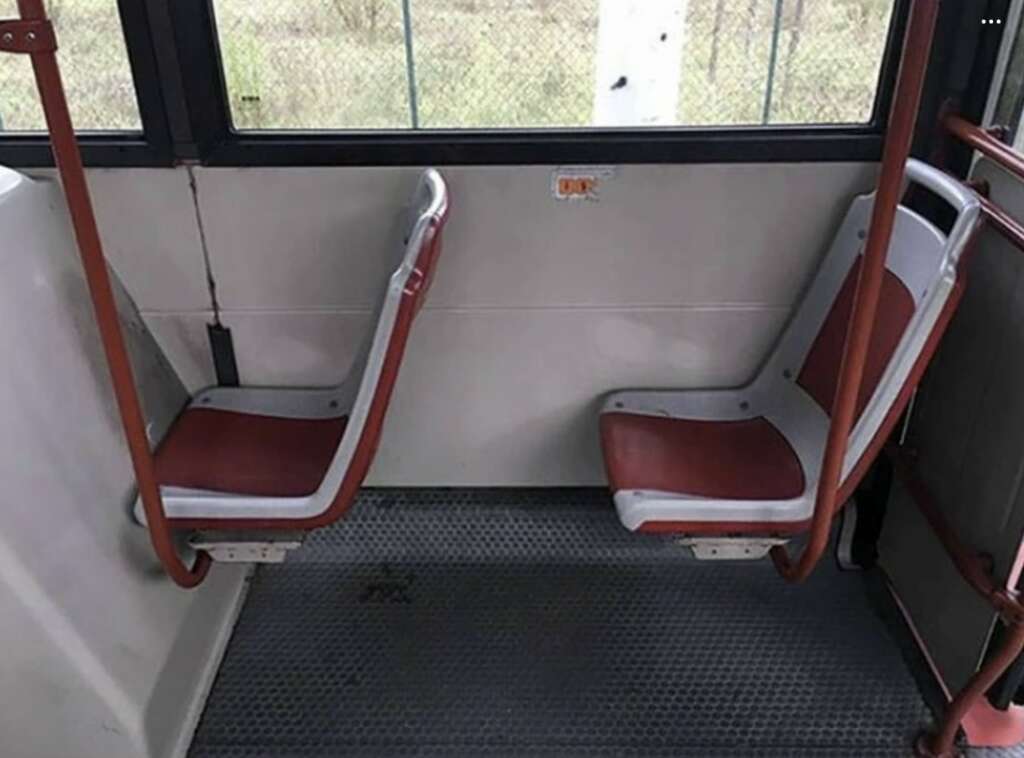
x,y
341,64
94,65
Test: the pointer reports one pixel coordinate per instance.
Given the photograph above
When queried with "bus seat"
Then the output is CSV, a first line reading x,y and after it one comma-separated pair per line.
x,y
735,463
255,458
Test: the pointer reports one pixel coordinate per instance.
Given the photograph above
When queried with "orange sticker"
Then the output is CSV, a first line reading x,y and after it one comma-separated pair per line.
x,y
583,186
577,183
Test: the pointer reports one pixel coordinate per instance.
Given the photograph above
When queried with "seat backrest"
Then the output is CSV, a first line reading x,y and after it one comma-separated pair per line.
x,y
921,271
414,264
371,380
819,375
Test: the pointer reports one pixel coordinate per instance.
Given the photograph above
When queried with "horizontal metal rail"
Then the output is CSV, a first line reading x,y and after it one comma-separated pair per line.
x,y
986,143
1003,223
1000,220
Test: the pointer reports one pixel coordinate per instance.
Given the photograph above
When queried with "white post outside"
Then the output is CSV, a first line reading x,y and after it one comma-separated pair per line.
x,y
639,62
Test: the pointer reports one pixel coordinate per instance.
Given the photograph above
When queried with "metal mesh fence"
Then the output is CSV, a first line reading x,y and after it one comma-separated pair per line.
x,y
399,64
94,64
775,61
357,64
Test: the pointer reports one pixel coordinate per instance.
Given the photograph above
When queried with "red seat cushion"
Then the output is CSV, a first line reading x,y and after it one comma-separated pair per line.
x,y
820,373
247,454
741,460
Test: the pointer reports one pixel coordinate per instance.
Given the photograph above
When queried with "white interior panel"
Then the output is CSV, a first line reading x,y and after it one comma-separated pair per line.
x,y
148,225
109,657
183,338
299,238
302,238
296,348
515,399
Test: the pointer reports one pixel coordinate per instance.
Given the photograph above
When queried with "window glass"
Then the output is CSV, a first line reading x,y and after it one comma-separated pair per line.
x,y
484,64
94,66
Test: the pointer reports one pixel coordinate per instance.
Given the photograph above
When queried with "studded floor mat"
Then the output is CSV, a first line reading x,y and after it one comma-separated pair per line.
x,y
529,623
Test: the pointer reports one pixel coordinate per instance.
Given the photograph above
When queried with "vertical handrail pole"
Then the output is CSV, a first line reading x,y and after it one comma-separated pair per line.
x,y
899,135
410,63
773,62
83,219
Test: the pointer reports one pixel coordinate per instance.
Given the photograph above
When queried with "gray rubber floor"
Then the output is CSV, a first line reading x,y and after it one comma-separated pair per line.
x,y
529,623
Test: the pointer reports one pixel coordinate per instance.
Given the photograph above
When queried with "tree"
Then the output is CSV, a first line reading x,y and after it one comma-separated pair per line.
x,y
794,43
716,31
751,27
360,16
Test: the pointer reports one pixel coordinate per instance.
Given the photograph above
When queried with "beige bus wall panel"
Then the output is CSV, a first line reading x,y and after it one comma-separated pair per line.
x,y
663,276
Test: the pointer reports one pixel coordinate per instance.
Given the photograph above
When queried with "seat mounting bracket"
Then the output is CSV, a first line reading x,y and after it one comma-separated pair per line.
x,y
730,548
246,546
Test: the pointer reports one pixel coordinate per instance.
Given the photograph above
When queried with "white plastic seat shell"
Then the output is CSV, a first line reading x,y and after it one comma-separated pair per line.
x,y
924,259
352,398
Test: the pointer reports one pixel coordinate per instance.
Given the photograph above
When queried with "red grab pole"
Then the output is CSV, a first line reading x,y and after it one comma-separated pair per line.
x,y
899,135
33,35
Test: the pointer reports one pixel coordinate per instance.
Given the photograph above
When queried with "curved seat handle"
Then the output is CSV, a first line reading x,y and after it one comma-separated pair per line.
x,y
83,219
916,47
964,200
952,190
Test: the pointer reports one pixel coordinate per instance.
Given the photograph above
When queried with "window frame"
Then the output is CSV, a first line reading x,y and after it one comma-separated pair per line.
x,y
226,146
149,147
175,59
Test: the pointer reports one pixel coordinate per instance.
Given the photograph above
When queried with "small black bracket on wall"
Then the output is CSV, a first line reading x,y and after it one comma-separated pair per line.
x,y
222,348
